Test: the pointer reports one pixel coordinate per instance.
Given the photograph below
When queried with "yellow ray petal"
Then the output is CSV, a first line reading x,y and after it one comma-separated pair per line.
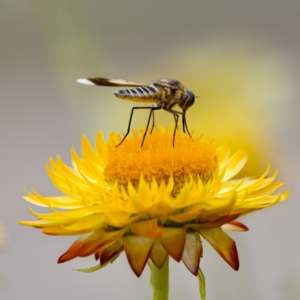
x,y
147,228
46,223
86,224
57,230
235,164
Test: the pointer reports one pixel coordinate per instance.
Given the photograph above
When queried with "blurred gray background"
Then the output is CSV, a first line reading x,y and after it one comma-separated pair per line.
x,y
240,57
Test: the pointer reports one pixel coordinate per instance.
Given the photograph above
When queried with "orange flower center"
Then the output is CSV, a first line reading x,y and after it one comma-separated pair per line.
x,y
159,159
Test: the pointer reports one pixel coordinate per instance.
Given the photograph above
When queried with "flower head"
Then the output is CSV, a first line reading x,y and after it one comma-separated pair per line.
x,y
153,201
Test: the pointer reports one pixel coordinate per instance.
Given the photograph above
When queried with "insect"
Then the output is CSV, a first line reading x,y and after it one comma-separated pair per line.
x,y
163,94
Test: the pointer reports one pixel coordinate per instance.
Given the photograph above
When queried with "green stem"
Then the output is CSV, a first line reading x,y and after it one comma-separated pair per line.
x,y
201,279
160,280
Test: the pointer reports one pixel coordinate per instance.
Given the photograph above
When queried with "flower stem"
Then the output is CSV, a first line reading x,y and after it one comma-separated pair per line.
x,y
160,280
201,279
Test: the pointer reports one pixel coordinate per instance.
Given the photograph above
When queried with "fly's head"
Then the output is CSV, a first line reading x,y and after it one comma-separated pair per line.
x,y
188,100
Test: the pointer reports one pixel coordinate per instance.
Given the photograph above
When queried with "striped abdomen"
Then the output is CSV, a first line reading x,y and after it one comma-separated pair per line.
x,y
147,93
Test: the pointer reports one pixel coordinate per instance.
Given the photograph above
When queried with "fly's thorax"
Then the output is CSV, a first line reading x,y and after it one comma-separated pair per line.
x,y
170,96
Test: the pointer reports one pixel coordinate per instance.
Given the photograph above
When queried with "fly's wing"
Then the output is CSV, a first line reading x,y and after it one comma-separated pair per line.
x,y
109,82
169,83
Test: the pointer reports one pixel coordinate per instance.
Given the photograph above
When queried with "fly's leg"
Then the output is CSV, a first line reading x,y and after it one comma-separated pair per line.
x,y
152,122
151,114
176,125
184,124
176,116
130,119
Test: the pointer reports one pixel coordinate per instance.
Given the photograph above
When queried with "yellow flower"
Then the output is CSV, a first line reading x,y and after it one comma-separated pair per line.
x,y
153,201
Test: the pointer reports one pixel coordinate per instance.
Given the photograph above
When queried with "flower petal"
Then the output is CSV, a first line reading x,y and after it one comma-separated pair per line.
x,y
99,240
45,223
223,244
89,244
57,230
137,250
235,226
158,254
72,252
216,223
173,240
86,224
235,164
192,252
111,251
147,228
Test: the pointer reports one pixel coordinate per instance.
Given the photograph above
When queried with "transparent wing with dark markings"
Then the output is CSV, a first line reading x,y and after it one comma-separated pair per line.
x,y
168,83
110,82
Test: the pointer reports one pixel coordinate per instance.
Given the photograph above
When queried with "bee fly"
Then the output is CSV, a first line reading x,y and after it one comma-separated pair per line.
x,y
163,94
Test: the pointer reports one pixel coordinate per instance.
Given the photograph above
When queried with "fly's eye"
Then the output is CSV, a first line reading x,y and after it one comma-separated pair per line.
x,y
189,99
